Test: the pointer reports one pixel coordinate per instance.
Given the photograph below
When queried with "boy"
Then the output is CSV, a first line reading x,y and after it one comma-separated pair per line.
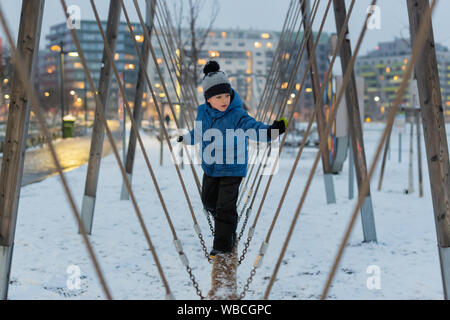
x,y
222,112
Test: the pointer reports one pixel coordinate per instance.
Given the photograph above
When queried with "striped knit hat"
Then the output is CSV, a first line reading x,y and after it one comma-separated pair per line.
x,y
214,81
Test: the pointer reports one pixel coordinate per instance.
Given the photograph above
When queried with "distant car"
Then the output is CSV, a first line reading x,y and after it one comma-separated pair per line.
x,y
314,137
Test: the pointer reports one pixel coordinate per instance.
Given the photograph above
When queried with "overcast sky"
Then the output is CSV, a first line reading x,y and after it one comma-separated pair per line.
x,y
262,15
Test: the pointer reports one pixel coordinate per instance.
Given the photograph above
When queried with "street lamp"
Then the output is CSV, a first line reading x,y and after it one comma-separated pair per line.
x,y
60,49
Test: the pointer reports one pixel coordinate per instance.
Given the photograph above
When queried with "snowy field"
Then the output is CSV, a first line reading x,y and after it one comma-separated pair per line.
x,y
47,242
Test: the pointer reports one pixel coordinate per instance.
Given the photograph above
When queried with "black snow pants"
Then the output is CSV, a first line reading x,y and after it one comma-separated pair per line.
x,y
219,196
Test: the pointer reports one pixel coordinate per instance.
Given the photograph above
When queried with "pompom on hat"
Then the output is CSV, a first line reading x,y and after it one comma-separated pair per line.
x,y
215,81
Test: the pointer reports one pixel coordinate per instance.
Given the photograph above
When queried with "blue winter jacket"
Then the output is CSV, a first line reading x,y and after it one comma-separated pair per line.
x,y
224,155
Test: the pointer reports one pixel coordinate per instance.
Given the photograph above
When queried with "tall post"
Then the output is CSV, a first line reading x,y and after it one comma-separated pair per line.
x,y
61,85
351,173
137,109
435,136
85,105
327,174
411,154
354,122
16,134
419,154
98,130
124,123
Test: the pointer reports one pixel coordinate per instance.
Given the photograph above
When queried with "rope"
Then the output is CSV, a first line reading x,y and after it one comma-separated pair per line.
x,y
271,83
264,245
99,109
35,104
289,89
177,242
290,117
196,226
322,145
420,40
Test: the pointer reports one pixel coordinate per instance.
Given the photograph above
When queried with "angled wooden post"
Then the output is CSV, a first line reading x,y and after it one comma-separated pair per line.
x,y
137,109
320,119
435,136
354,124
98,130
16,134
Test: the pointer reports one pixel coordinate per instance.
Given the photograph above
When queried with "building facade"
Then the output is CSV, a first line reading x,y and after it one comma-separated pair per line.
x,y
77,93
382,70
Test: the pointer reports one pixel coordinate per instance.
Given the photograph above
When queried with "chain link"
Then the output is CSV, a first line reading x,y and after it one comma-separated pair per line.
x,y
205,250
244,252
247,285
194,283
209,221
247,215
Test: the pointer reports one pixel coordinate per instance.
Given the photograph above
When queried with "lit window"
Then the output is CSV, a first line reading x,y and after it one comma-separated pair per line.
x,y
214,54
258,44
265,35
269,44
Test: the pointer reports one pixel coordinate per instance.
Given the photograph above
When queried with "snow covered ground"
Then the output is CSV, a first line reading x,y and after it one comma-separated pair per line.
x,y
47,242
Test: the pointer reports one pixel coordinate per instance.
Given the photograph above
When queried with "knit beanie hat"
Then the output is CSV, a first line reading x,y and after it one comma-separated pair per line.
x,y
214,81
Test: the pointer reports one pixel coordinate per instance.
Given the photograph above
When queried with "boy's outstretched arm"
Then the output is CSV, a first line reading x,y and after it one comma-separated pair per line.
x,y
192,137
247,122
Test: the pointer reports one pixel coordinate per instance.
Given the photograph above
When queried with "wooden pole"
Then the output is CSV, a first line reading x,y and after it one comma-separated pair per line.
x,y
354,122
16,134
435,136
137,109
328,175
98,130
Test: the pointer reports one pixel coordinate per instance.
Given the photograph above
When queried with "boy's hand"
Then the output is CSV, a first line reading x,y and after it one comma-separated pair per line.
x,y
281,125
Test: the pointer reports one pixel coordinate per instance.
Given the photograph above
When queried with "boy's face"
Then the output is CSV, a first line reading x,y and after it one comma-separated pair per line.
x,y
220,101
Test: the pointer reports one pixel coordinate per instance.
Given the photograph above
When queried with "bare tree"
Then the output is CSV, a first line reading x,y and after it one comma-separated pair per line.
x,y
192,35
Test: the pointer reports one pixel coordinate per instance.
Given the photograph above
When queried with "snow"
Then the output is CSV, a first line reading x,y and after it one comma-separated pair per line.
x,y
48,246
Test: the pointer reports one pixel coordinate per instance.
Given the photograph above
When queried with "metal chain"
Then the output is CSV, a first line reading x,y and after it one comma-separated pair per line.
x,y
247,285
194,283
205,250
244,252
211,227
247,215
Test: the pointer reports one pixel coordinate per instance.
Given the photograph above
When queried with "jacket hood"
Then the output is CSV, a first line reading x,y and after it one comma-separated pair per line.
x,y
235,102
